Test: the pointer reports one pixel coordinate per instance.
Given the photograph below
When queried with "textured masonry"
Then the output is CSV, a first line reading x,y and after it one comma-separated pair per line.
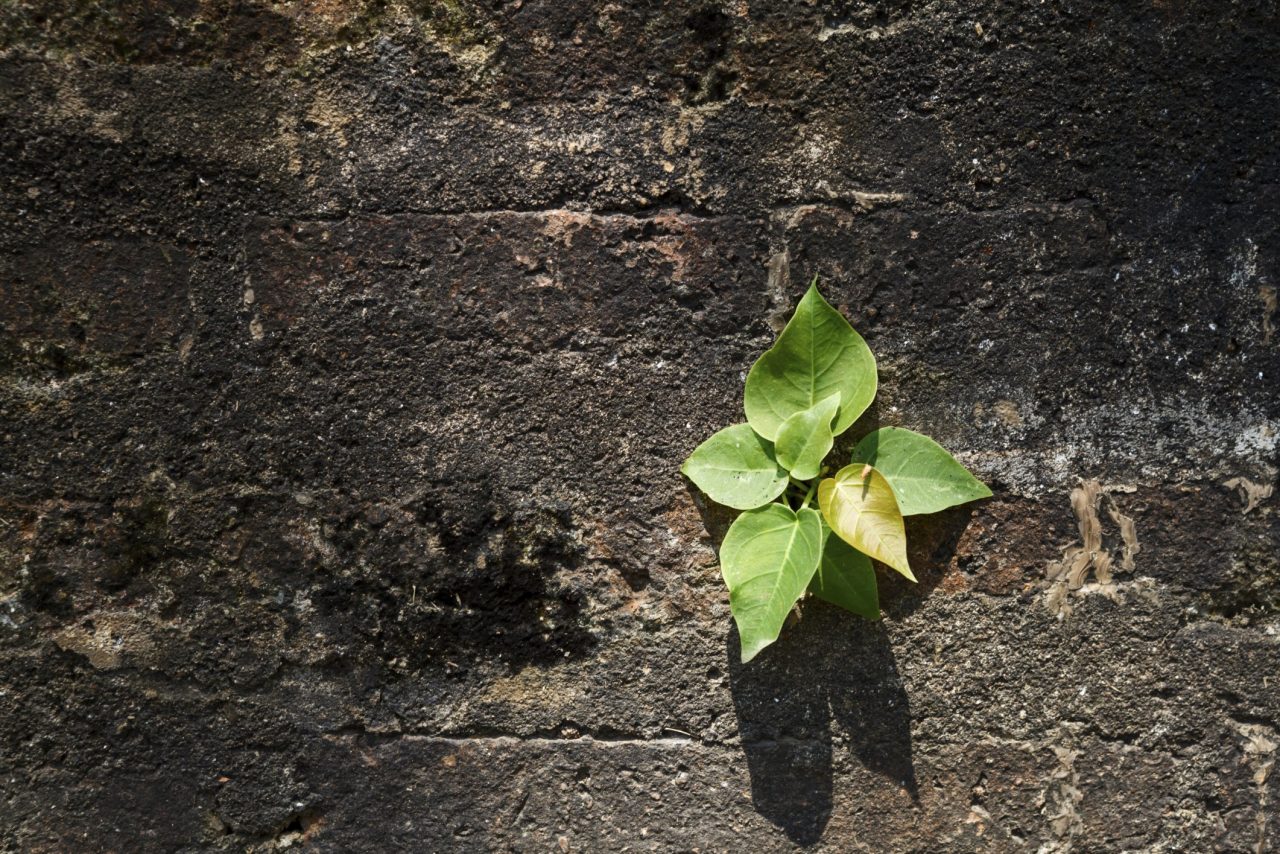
x,y
349,350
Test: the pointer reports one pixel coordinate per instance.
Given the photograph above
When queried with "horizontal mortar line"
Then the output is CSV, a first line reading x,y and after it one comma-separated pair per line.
x,y
764,216
859,200
767,217
856,201
539,741
859,204
638,214
498,738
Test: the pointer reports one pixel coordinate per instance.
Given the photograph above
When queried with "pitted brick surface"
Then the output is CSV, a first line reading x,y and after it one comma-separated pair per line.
x,y
349,351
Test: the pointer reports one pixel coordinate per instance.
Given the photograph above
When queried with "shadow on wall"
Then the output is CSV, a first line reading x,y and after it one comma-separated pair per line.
x,y
831,684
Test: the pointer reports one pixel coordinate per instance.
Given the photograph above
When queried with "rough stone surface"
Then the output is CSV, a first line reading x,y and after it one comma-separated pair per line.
x,y
348,352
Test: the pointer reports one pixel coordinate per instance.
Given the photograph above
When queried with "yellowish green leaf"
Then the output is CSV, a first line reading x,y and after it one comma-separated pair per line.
x,y
861,509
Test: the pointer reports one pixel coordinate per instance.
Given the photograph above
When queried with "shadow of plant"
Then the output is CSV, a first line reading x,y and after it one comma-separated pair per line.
x,y
831,683
785,728
795,709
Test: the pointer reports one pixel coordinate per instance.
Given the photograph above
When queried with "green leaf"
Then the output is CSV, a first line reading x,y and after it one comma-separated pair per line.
x,y
859,505
924,477
805,438
767,559
846,578
817,355
736,468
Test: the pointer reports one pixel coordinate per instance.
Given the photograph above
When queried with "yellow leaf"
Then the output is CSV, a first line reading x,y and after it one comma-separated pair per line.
x,y
860,508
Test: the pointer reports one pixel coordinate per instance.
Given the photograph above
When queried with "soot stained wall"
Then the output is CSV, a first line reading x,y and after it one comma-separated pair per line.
x,y
348,352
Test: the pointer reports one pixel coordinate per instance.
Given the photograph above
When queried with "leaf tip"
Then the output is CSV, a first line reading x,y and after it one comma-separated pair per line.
x,y
751,649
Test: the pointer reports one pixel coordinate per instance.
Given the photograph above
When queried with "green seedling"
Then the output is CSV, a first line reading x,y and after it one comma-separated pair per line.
x,y
807,389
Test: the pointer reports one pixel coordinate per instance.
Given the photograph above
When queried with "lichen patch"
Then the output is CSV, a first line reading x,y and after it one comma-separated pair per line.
x,y
1091,554
108,641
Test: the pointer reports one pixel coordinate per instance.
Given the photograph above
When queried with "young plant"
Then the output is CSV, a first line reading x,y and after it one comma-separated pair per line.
x,y
806,390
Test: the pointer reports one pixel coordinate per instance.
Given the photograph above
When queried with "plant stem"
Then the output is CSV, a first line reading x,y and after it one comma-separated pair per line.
x,y
813,487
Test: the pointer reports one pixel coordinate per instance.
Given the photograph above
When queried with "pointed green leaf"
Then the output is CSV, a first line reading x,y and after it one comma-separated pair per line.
x,y
817,355
805,438
767,559
846,578
924,477
859,505
736,468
